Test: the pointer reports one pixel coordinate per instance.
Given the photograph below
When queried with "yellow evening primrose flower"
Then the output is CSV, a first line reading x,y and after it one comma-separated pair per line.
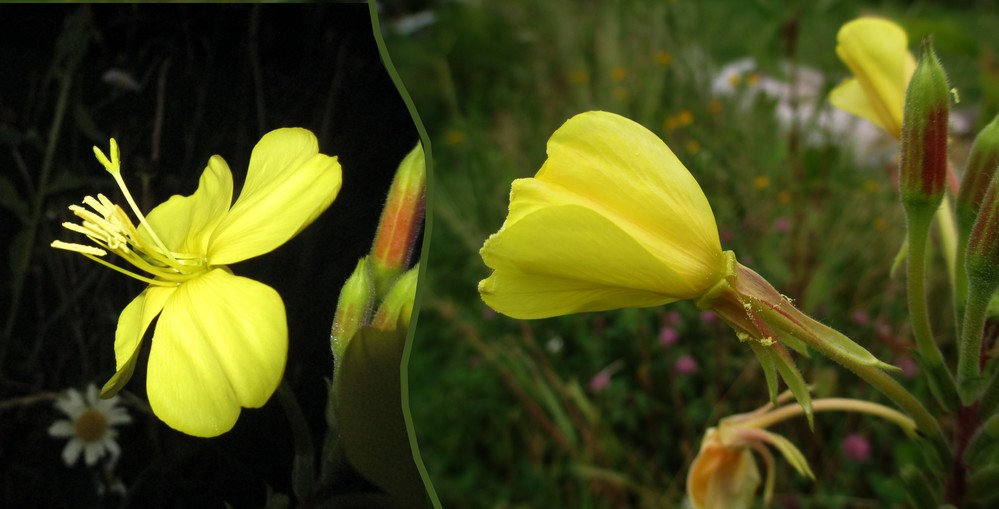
x,y
613,219
876,51
221,340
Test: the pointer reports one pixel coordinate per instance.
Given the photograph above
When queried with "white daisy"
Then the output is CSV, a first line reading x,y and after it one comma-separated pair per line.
x,y
90,428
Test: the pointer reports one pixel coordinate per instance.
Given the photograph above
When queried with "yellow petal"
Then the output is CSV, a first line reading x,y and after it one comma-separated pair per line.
x,y
185,223
132,325
722,477
620,168
876,51
220,343
288,184
569,259
612,219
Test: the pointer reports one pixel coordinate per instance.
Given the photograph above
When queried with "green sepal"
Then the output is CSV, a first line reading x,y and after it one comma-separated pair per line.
x,y
903,253
769,368
792,377
791,453
775,357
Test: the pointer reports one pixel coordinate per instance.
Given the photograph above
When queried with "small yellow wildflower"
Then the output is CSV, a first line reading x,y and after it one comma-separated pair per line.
x,y
664,58
454,137
619,73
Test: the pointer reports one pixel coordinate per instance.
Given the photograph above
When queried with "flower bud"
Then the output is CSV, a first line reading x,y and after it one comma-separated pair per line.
x,y
982,162
923,166
394,312
982,258
357,297
401,221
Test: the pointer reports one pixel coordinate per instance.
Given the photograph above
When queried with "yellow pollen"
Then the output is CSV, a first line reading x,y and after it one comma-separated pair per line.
x,y
91,426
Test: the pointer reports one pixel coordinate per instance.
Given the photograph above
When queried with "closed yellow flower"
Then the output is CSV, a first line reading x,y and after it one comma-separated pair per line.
x,y
613,219
722,476
876,51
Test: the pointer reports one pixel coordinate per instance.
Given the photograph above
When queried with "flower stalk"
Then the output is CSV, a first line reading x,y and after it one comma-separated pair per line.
x,y
982,162
982,265
922,177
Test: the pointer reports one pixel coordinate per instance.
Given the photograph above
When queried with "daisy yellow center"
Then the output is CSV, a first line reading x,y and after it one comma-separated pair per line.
x,y
91,426
111,230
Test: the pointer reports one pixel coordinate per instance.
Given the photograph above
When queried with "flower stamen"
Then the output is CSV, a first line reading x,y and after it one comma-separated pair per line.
x,y
114,168
110,228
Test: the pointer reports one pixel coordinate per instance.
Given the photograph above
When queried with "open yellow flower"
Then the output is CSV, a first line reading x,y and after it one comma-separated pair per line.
x,y
877,52
613,219
221,340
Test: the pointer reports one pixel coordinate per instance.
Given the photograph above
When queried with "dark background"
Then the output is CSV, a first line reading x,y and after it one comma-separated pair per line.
x,y
224,75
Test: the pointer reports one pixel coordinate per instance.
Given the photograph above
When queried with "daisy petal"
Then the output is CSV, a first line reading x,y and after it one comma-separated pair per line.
x,y
220,343
288,184
92,451
71,452
62,429
112,447
71,404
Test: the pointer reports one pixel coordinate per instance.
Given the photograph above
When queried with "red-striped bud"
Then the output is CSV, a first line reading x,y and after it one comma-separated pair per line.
x,y
982,162
982,258
401,221
923,166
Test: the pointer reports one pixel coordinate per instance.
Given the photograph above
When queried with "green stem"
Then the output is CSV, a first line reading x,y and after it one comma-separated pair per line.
x,y
960,282
303,465
941,381
970,380
830,404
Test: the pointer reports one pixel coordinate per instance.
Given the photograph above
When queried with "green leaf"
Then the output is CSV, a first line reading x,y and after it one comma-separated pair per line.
x,y
920,490
982,484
